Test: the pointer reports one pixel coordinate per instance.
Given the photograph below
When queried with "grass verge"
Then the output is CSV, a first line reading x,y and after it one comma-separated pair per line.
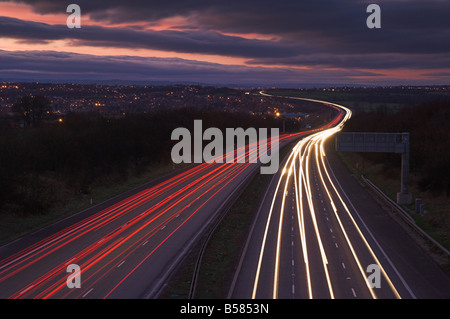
x,y
224,248
434,221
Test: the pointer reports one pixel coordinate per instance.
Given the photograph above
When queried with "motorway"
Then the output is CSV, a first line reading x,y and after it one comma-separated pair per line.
x,y
309,244
309,241
125,249
128,247
306,242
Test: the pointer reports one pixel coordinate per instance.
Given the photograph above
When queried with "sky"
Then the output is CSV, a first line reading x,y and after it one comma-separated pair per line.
x,y
283,43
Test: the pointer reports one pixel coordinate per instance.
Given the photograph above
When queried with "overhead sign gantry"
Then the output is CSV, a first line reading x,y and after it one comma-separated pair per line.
x,y
380,142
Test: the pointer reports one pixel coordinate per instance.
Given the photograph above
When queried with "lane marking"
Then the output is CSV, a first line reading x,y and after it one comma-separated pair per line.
x,y
70,261
25,290
87,293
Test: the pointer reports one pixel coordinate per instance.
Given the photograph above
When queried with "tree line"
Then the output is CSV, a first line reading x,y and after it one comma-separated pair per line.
x,y
429,127
48,163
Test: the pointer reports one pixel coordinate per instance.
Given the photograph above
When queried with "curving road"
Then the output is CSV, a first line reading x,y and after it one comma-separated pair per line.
x,y
310,241
128,246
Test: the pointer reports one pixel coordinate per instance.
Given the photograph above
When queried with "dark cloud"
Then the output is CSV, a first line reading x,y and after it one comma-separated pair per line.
x,y
319,34
438,74
204,42
377,61
325,26
49,65
341,19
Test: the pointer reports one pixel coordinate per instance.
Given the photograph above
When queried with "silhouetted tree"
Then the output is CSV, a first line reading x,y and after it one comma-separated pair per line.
x,y
31,109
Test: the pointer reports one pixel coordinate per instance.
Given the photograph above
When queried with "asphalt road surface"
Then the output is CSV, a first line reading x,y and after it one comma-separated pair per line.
x,y
315,235
319,234
128,246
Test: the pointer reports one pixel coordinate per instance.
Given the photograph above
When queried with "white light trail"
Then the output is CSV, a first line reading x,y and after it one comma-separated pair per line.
x,y
298,166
